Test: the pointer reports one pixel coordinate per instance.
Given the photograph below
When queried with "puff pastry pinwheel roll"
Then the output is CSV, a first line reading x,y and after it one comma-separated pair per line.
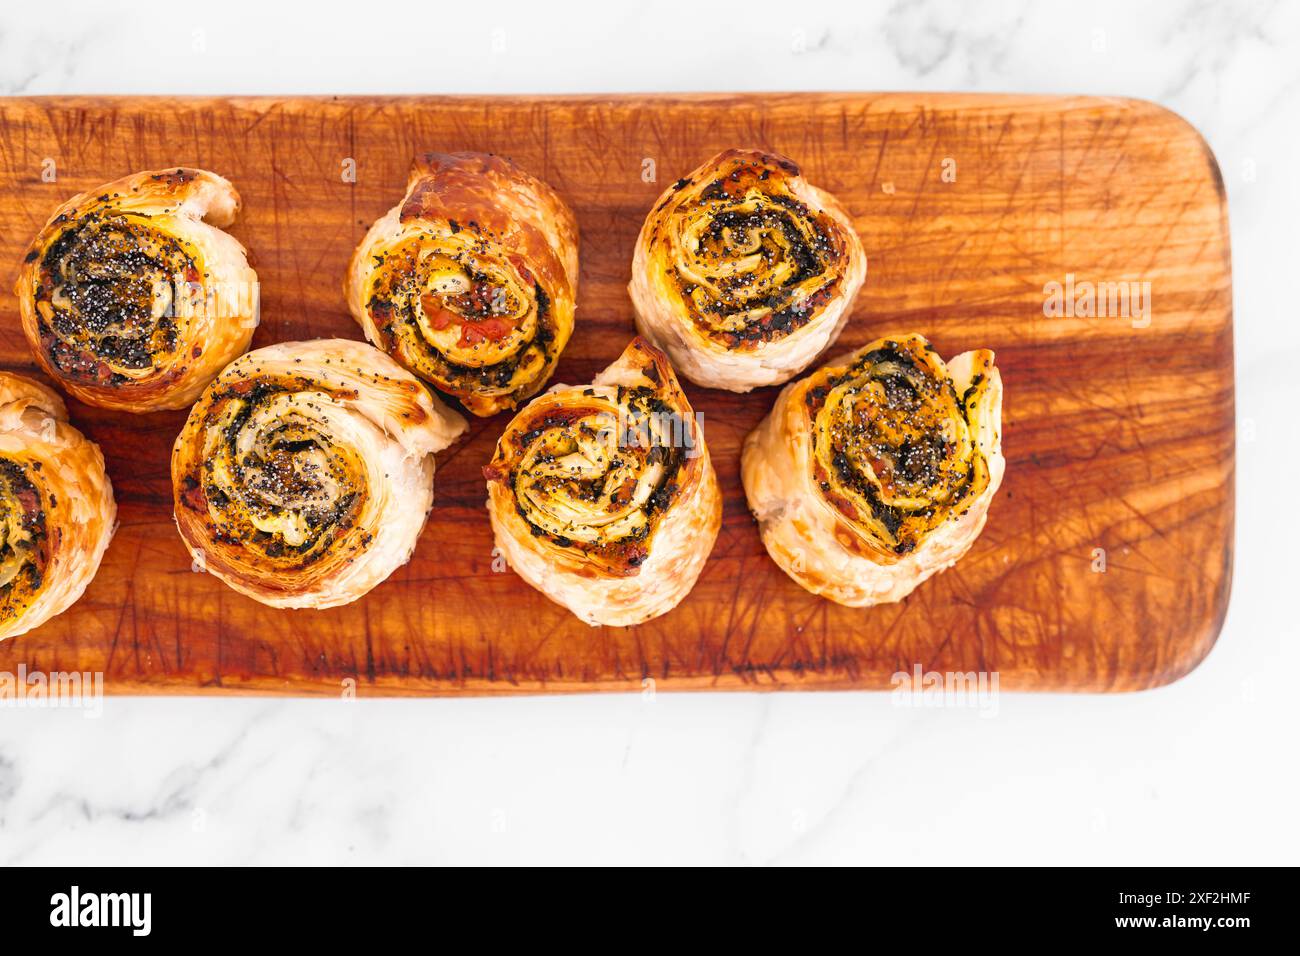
x,y
304,474
133,297
57,512
603,497
877,470
744,272
470,280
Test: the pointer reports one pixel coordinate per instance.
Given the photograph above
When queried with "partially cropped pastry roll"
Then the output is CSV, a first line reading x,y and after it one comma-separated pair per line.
x,y
304,474
56,507
744,271
877,470
470,280
603,497
133,297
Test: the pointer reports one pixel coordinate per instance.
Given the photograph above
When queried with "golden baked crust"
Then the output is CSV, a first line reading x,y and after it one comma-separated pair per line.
x,y
470,281
603,497
304,474
744,272
57,512
877,470
132,296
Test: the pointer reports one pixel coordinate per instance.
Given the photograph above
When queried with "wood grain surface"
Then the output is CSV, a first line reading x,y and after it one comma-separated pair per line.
x,y
1117,438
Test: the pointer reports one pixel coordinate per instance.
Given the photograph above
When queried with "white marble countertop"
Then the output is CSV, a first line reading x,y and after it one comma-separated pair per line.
x,y
1203,771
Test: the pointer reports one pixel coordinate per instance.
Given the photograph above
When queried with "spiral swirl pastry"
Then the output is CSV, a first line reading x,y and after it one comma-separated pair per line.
x,y
470,280
133,297
604,498
57,512
744,272
877,470
304,474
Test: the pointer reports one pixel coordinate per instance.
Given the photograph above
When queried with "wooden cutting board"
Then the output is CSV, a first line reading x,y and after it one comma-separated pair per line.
x,y
1119,439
